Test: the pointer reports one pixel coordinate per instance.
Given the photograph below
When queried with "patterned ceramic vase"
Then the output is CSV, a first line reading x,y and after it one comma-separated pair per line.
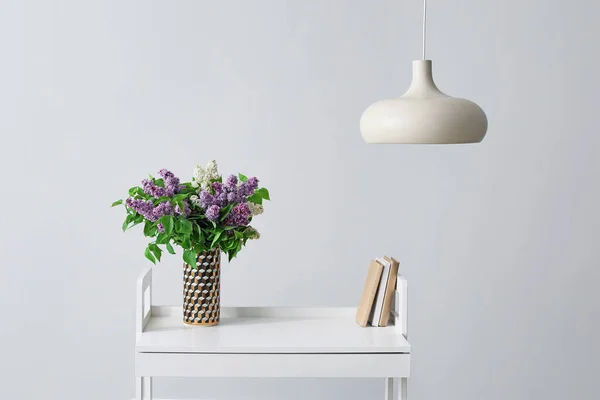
x,y
201,289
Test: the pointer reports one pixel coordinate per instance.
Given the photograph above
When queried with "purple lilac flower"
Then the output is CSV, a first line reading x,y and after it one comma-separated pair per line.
x,y
170,190
217,187
166,174
239,215
152,189
231,182
212,213
236,196
248,187
171,182
253,182
206,199
221,199
164,208
232,197
142,207
222,195
187,210
160,228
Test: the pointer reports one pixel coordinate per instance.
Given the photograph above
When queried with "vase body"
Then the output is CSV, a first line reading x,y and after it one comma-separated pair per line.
x,y
201,289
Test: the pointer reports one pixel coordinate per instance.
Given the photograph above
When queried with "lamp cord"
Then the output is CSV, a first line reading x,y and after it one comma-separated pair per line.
x,y
424,27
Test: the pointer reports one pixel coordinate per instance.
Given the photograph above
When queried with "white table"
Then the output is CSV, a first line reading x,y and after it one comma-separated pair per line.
x,y
270,342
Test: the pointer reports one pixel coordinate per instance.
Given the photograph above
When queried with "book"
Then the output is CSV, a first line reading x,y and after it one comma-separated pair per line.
x,y
389,291
368,296
375,315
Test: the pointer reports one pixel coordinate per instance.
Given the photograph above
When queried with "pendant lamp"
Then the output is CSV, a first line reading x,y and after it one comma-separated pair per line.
x,y
423,115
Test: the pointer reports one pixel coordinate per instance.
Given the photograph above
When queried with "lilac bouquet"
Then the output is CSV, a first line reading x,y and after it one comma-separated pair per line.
x,y
198,216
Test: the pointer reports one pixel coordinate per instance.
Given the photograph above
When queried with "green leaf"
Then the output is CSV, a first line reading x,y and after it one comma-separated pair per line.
x,y
216,239
149,255
196,233
189,256
136,191
225,212
149,229
243,177
181,205
162,238
180,196
127,221
186,243
159,182
161,200
117,203
167,222
231,245
170,248
184,226
264,193
255,198
156,251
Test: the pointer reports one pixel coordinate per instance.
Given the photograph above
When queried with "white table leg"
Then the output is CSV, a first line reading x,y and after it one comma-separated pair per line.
x,y
143,388
400,385
389,388
403,389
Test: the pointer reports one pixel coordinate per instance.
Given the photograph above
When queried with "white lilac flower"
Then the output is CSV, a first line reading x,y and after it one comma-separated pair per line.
x,y
211,171
256,209
195,200
203,176
198,176
253,233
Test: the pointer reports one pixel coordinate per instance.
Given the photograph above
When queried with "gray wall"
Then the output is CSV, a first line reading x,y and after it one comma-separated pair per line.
x,y
498,240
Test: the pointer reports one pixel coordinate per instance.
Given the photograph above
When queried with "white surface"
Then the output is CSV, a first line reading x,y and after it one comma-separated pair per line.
x,y
286,365
499,240
423,115
275,334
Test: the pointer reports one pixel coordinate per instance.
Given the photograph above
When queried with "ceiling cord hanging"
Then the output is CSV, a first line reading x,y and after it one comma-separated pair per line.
x,y
424,27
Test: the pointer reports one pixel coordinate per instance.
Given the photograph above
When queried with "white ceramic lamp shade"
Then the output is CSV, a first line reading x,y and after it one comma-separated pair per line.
x,y
423,115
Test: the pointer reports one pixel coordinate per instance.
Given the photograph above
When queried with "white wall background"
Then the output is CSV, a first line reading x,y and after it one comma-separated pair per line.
x,y
498,240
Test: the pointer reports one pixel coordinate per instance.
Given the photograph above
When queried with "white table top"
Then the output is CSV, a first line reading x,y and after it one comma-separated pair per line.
x,y
269,330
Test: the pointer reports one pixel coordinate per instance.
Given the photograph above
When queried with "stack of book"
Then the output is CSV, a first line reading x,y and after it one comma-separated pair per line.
x,y
378,294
